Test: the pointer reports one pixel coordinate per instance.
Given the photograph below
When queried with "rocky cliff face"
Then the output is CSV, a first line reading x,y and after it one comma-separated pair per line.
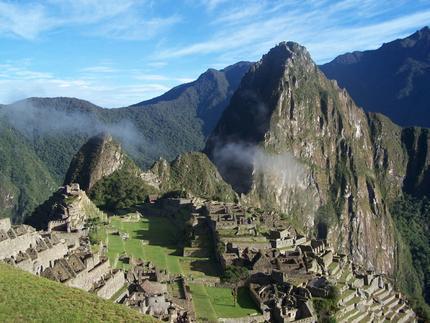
x,y
99,157
293,140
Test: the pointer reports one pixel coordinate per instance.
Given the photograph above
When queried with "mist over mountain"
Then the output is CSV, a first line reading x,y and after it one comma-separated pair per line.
x,y
393,80
52,130
165,126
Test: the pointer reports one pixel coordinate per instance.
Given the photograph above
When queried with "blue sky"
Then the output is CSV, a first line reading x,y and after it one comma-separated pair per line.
x,y
116,53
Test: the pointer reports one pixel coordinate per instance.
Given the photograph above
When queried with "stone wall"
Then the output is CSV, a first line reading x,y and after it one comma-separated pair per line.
x,y
86,278
5,224
44,259
245,319
11,247
112,285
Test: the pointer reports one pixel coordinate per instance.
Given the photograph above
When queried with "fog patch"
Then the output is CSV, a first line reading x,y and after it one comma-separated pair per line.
x,y
32,121
239,163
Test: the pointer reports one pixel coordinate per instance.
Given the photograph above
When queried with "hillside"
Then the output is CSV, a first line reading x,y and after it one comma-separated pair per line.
x,y
193,173
113,181
165,126
393,79
25,180
28,298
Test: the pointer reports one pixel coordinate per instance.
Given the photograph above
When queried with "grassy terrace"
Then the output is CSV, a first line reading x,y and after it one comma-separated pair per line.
x,y
211,303
156,239
28,298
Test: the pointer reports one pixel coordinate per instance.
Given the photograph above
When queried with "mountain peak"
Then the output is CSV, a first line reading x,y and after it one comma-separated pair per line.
x,y
286,50
100,156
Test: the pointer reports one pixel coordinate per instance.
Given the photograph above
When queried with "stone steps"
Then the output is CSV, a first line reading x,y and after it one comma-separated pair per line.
x,y
405,317
344,317
388,299
398,307
368,318
358,317
392,303
381,293
347,295
390,316
350,309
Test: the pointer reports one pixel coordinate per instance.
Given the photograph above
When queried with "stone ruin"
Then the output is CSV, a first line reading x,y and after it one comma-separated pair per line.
x,y
68,216
45,254
147,292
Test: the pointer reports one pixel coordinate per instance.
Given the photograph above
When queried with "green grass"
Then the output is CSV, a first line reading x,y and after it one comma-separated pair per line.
x,y
215,302
152,239
28,298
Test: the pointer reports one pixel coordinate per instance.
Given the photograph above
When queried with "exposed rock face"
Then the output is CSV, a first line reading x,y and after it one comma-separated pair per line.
x,y
303,146
99,157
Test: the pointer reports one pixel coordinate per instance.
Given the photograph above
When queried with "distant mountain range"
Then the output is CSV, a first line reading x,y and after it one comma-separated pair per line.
x,y
393,80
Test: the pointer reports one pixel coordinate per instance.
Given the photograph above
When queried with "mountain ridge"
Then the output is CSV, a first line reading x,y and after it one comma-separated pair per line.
x,y
392,79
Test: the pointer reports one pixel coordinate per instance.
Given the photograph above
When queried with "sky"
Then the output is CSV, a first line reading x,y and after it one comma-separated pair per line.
x,y
117,53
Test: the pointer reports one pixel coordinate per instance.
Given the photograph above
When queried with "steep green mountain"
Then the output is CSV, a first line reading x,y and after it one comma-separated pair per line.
x,y
113,181
193,173
27,298
309,152
293,140
25,181
393,80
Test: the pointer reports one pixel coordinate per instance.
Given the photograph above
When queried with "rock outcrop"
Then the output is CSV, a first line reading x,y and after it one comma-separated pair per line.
x,y
99,157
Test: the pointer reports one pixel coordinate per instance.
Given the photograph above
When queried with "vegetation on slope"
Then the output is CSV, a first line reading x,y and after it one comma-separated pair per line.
x,y
195,174
122,189
327,307
28,298
412,218
25,181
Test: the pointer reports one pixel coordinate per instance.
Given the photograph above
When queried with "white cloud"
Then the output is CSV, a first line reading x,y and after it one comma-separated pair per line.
x,y
327,28
212,4
19,81
25,21
132,27
99,69
109,18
